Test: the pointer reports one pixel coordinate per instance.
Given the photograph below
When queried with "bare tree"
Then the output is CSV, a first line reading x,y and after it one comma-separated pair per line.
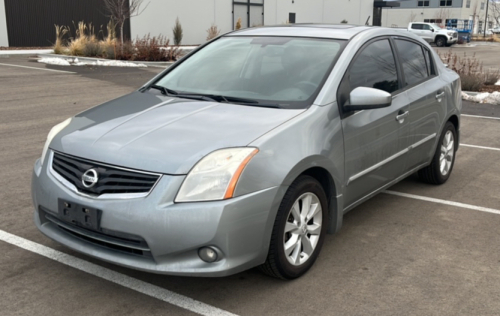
x,y
474,14
413,15
121,10
495,11
442,15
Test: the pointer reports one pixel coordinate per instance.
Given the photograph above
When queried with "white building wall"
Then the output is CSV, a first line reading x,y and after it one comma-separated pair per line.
x,y
4,39
401,17
196,16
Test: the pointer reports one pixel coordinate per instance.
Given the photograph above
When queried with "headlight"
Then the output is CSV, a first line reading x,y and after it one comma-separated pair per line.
x,y
53,132
450,33
215,176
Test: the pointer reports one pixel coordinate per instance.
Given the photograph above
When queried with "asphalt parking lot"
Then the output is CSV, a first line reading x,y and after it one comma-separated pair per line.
x,y
416,250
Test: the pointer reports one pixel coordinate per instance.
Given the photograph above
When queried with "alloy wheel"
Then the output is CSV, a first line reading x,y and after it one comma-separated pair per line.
x,y
447,153
303,229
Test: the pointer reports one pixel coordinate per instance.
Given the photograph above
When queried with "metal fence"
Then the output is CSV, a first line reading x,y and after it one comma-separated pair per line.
x,y
31,23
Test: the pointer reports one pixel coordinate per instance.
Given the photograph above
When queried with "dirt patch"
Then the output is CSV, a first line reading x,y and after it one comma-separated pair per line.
x,y
490,89
23,48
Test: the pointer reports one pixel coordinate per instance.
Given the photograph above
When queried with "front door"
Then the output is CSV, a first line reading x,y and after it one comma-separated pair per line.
x,y
375,141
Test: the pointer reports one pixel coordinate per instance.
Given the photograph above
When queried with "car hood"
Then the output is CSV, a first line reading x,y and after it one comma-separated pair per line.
x,y
161,134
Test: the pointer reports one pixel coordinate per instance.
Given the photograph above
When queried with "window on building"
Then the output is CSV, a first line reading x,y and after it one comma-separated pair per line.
x,y
437,21
467,4
482,5
423,3
480,26
414,65
445,3
490,24
375,68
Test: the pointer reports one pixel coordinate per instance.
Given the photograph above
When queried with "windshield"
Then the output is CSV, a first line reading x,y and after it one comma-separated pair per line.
x,y
285,71
435,27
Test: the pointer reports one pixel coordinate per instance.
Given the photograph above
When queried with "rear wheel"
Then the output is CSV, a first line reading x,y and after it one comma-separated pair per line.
x,y
299,230
442,163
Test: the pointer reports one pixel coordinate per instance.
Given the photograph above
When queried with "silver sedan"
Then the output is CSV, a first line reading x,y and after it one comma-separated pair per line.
x,y
249,151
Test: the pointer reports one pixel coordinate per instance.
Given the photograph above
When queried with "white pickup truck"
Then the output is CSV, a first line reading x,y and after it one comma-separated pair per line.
x,y
433,33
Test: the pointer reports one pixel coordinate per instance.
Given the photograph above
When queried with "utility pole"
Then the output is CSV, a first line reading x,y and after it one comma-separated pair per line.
x,y
486,18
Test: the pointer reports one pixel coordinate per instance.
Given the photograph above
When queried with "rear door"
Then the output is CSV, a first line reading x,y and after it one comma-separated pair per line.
x,y
417,28
426,94
375,141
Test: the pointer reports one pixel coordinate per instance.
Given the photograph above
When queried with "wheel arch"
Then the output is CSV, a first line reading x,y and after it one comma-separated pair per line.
x,y
328,180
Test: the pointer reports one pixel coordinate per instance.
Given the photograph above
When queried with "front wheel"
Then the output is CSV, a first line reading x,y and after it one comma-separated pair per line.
x,y
442,163
440,41
299,230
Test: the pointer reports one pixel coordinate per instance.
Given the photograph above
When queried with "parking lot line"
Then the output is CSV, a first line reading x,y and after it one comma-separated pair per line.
x,y
480,147
37,68
484,117
115,277
446,202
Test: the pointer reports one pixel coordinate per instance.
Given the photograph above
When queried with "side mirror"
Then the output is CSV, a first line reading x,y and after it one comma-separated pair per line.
x,y
432,30
363,98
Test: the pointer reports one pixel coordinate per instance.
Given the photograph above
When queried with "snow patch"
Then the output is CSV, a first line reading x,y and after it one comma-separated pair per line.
x,y
485,97
498,83
54,61
77,62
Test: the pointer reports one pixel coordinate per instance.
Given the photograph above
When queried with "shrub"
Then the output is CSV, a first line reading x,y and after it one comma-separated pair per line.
x,y
472,82
60,32
178,34
148,48
212,32
92,48
238,24
125,51
491,76
470,70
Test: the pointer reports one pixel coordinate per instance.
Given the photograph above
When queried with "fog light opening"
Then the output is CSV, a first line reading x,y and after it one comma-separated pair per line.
x,y
208,254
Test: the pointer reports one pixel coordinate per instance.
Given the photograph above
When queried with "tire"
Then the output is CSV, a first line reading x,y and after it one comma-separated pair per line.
x,y
297,260
440,41
443,161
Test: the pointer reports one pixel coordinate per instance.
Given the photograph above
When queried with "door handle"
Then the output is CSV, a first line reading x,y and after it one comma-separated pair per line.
x,y
439,95
401,117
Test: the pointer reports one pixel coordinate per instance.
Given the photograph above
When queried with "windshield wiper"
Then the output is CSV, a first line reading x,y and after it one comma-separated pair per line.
x,y
228,99
212,97
165,91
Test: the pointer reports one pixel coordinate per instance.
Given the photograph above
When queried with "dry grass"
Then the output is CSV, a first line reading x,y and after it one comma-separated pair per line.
x,y
60,32
238,24
77,44
212,32
470,70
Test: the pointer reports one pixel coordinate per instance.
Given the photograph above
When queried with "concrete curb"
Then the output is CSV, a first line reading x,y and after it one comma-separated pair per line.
x,y
161,64
9,53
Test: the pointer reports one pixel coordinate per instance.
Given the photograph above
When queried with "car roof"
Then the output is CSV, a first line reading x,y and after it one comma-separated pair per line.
x,y
337,31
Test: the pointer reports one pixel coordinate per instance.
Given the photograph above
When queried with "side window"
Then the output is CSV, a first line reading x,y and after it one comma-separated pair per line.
x,y
375,67
426,27
413,61
416,26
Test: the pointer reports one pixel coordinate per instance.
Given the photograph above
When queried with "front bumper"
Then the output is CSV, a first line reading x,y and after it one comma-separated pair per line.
x,y
172,233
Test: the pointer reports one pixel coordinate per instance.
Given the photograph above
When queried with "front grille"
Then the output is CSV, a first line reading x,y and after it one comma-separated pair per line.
x,y
455,35
125,243
111,180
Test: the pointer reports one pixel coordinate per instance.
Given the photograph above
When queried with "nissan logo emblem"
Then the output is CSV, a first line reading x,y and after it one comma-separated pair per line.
x,y
90,178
